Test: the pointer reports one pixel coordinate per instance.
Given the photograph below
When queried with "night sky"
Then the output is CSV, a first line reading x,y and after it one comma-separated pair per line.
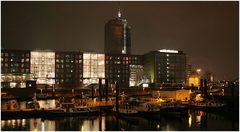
x,y
206,31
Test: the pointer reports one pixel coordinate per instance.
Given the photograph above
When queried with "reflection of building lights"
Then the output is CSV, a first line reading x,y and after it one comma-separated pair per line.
x,y
18,121
13,122
198,119
2,123
190,121
43,126
82,128
23,122
8,122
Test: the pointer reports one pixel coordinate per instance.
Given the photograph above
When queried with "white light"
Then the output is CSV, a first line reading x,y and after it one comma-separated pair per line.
x,y
119,13
145,85
168,51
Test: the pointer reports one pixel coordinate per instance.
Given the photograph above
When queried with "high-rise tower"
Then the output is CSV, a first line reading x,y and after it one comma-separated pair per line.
x,y
117,36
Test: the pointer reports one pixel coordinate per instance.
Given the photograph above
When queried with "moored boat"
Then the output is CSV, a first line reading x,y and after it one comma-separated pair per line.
x,y
127,112
68,109
207,105
148,110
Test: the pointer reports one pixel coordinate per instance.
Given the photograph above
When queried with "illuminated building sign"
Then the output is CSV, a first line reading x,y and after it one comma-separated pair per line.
x,y
168,51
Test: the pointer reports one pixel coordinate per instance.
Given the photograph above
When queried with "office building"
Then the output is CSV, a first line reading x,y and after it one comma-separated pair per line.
x,y
15,68
117,36
68,68
126,69
165,67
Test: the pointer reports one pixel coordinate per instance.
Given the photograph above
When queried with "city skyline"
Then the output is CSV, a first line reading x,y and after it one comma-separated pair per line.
x,y
206,31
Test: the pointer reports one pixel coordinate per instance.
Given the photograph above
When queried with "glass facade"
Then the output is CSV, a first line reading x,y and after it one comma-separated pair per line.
x,y
136,75
43,67
14,80
93,67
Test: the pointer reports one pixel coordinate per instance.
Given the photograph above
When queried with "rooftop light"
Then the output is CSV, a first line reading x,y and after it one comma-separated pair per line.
x,y
168,51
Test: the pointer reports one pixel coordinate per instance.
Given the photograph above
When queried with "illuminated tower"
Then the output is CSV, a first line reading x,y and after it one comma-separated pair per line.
x,y
117,36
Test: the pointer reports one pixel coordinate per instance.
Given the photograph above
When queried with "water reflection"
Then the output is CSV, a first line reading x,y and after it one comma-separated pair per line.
x,y
197,120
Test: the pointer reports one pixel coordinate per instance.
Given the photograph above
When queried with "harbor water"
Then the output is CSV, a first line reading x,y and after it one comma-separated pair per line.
x,y
197,120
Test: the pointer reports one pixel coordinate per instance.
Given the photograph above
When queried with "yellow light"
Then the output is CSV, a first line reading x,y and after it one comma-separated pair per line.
x,y
160,100
198,70
190,121
82,128
158,126
94,101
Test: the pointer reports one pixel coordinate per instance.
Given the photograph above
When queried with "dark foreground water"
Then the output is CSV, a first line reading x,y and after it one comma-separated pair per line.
x,y
198,120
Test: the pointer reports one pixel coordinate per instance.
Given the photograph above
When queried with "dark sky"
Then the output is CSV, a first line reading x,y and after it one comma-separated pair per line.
x,y
206,31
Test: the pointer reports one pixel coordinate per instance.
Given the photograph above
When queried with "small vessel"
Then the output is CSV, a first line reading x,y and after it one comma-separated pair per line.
x,y
148,110
33,104
69,109
127,112
207,104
